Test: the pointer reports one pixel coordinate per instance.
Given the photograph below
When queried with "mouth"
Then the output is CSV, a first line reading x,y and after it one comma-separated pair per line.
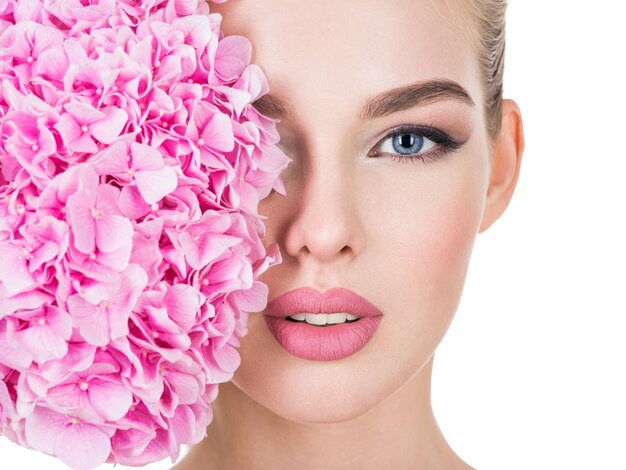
x,y
328,342
323,319
322,327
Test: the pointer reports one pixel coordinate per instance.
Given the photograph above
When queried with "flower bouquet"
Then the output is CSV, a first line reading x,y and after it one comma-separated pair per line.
x,y
131,167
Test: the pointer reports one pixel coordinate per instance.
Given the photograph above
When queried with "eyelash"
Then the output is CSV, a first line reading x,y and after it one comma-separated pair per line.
x,y
446,144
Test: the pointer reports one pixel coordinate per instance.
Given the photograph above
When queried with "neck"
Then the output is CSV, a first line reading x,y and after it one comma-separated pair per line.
x,y
400,432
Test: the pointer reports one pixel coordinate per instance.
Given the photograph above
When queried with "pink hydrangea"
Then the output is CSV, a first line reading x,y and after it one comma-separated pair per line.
x,y
131,168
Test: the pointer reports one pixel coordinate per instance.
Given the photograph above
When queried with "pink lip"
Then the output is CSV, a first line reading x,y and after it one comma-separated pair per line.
x,y
322,343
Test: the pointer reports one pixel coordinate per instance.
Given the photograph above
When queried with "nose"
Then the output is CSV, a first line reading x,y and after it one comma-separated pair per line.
x,y
324,223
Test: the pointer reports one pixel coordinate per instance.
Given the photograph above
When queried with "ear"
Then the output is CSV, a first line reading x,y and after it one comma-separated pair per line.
x,y
506,158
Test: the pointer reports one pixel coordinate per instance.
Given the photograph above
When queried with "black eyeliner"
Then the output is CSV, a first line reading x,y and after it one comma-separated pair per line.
x,y
446,144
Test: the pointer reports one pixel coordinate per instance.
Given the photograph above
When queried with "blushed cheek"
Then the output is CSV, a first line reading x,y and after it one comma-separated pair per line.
x,y
433,251
448,240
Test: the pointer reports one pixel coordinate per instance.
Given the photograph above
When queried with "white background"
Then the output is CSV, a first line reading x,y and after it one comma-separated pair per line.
x,y
531,374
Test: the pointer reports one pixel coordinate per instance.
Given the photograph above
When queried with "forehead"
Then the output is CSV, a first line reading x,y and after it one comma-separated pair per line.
x,y
346,50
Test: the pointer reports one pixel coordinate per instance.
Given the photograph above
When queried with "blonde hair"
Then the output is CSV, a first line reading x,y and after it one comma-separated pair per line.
x,y
483,24
489,16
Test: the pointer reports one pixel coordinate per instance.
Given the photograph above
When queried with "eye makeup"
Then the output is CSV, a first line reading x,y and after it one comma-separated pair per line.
x,y
444,144
433,143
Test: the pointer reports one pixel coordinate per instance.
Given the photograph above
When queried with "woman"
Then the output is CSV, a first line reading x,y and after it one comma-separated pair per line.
x,y
403,151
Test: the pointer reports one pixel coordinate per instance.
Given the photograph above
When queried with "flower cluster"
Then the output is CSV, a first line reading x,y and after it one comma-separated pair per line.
x,y
131,167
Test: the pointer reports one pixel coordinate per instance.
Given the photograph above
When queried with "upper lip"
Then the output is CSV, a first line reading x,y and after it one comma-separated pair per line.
x,y
309,300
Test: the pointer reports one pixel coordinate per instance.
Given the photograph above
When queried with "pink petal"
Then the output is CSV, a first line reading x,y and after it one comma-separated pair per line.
x,y
84,143
132,204
236,97
68,128
45,38
11,355
118,321
227,358
99,291
7,407
69,396
107,197
253,299
47,340
116,260
43,255
27,10
183,424
198,30
14,273
42,427
83,113
185,7
112,160
42,343
111,399
79,307
182,303
233,54
82,446
74,177
95,328
154,185
142,52
145,157
199,253
186,386
113,232
80,356
52,63
83,227
218,133
147,254
27,300
253,81
109,128
89,72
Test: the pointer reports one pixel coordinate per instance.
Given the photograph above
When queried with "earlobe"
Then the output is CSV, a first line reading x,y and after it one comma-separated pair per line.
x,y
506,158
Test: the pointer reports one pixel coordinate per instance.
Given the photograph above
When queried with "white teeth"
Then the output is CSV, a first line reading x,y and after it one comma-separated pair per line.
x,y
336,318
316,318
321,319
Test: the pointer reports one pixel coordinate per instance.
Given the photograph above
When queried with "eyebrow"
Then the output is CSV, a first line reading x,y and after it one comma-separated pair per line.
x,y
382,104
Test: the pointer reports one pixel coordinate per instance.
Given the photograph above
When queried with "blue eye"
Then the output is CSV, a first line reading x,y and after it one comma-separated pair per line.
x,y
415,143
406,143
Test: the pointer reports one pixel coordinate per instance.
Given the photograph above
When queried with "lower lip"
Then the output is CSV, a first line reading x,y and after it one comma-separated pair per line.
x,y
322,343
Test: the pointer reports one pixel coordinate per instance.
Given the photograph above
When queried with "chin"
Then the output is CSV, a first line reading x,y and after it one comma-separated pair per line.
x,y
317,411
312,392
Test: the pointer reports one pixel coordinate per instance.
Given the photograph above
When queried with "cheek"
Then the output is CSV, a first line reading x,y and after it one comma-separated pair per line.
x,y
433,220
443,235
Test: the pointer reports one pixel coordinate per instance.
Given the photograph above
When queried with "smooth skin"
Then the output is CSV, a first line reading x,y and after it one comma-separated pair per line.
x,y
397,233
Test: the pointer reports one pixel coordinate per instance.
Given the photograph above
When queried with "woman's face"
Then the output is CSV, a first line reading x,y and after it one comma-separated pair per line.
x,y
399,233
